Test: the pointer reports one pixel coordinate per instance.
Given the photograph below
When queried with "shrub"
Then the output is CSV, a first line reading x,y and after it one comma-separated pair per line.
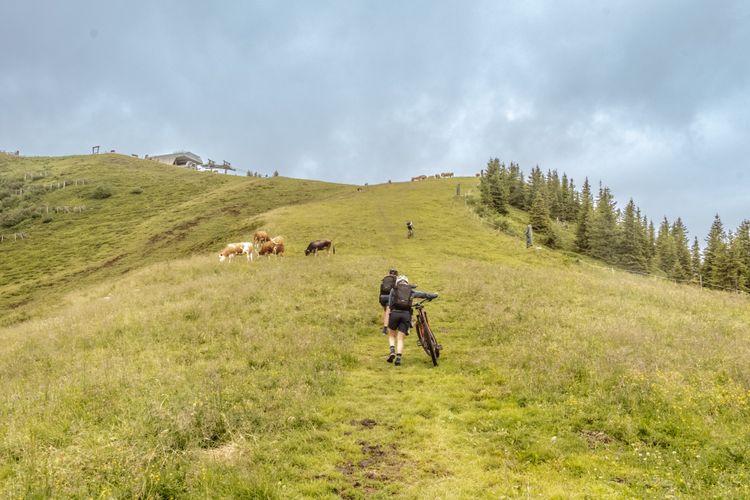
x,y
11,218
136,190
101,192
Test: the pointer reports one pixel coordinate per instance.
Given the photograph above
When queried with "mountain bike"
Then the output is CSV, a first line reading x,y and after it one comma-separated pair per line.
x,y
424,333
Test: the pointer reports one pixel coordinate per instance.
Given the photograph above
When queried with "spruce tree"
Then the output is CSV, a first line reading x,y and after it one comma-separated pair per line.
x,y
695,261
631,248
554,195
665,249
539,213
493,187
535,184
585,216
714,256
517,186
735,272
682,252
741,246
651,245
603,239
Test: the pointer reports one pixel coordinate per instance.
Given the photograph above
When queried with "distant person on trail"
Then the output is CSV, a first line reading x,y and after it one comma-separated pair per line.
x,y
399,320
389,281
409,229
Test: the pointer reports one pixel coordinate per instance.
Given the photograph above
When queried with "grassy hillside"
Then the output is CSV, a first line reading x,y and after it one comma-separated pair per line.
x,y
187,378
154,212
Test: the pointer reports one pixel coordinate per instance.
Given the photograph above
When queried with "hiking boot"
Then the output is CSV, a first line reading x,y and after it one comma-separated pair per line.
x,y
391,357
398,361
385,330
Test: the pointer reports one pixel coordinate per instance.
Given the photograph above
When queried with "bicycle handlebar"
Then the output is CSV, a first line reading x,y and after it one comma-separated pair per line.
x,y
418,304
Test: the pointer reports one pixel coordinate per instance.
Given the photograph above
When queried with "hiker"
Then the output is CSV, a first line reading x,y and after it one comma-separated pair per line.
x,y
399,320
389,281
409,229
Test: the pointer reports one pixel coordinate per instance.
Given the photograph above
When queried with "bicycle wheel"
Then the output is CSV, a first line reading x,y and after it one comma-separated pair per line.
x,y
428,339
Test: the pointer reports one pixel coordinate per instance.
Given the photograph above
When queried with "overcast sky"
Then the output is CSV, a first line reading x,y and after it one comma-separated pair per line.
x,y
650,97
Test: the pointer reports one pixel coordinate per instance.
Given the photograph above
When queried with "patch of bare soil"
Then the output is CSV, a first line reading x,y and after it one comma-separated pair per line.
x,y
367,423
595,438
380,465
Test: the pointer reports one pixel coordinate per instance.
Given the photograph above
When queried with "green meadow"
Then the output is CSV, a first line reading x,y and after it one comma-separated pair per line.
x,y
134,364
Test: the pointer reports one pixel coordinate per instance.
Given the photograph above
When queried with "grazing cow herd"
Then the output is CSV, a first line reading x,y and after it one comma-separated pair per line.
x,y
436,176
263,244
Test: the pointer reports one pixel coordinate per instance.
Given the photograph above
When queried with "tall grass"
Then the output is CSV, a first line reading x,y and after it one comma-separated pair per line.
x,y
187,378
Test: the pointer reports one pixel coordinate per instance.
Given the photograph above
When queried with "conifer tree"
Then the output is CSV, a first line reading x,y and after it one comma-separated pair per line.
x,y
741,248
535,184
682,252
539,213
715,259
493,190
517,186
652,245
554,195
603,238
585,216
665,249
631,247
695,261
643,235
735,273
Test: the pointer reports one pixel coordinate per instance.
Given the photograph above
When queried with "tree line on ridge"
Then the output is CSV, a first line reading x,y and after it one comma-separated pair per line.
x,y
621,237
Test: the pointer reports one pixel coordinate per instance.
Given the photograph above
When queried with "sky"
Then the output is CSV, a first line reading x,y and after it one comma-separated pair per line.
x,y
651,98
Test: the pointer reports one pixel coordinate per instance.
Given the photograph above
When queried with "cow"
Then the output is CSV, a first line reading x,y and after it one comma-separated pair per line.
x,y
260,237
272,248
233,249
316,245
446,174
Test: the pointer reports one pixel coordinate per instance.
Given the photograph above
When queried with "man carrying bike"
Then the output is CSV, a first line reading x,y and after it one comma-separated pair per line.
x,y
399,321
389,281
409,229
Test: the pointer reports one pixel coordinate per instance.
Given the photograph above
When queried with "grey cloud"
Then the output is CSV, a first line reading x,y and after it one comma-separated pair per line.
x,y
641,95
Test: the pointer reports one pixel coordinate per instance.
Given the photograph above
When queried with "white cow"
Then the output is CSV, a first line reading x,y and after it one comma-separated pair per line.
x,y
233,249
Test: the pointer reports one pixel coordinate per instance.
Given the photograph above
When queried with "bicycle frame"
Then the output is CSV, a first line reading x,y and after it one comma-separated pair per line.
x,y
425,334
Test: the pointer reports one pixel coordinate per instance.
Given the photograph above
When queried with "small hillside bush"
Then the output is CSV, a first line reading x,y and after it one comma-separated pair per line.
x,y
11,218
101,192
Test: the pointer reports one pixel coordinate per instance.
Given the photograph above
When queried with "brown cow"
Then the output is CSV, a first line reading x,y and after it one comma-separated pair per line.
x,y
446,174
272,248
260,237
316,245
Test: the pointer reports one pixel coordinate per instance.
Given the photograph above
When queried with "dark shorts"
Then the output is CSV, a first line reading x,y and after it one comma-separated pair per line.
x,y
399,320
384,300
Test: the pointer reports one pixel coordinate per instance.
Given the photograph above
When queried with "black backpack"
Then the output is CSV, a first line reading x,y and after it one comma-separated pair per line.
x,y
402,298
387,284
